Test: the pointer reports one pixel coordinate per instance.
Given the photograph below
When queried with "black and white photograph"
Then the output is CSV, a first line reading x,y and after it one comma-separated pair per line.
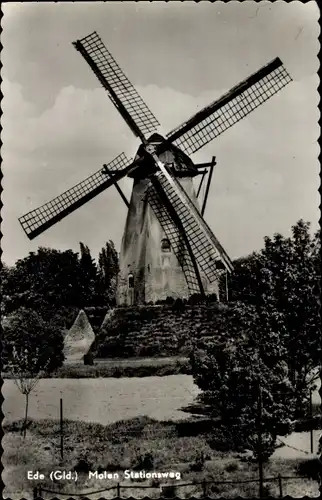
x,y
161,251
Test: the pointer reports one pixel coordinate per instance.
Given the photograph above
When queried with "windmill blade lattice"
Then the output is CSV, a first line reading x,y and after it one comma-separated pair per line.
x,y
38,220
206,248
121,91
214,119
173,234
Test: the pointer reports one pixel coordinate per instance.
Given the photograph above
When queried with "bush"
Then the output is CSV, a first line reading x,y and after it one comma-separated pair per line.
x,y
178,305
168,491
212,298
308,424
196,298
199,462
233,384
310,468
88,359
144,462
219,441
232,467
82,466
30,345
111,467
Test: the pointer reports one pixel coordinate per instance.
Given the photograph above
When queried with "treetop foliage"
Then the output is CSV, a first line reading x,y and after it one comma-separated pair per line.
x,y
270,343
30,344
51,280
282,282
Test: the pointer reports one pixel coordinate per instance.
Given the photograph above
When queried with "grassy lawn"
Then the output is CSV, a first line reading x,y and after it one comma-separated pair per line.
x,y
140,443
143,361
129,367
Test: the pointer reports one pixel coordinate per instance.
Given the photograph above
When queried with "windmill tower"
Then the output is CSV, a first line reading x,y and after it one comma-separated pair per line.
x,y
150,268
167,248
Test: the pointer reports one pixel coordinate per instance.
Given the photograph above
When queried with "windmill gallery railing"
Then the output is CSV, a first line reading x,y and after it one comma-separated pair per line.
x,y
172,490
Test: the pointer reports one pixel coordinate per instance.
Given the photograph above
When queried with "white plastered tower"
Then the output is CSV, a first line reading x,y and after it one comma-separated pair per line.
x,y
149,269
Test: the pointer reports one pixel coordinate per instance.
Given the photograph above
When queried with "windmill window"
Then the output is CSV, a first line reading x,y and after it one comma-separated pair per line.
x,y
131,280
165,245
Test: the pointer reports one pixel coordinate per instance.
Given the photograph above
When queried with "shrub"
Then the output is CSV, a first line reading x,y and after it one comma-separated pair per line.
x,y
232,467
178,305
199,462
168,491
234,385
307,424
144,462
88,359
221,442
310,468
110,466
82,466
212,298
196,298
30,344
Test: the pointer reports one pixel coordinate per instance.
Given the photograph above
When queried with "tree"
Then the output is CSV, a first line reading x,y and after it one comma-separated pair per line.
x,y
295,288
6,290
89,275
54,283
243,282
283,281
245,381
108,269
57,284
46,278
30,347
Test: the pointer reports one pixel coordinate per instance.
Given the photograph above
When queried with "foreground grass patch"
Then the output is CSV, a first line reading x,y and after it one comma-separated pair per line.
x,y
139,443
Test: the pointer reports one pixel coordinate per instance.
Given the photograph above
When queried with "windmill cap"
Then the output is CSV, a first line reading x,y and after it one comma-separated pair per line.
x,y
156,138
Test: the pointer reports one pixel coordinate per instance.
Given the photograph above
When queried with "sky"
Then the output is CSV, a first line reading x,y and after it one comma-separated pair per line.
x,y
59,126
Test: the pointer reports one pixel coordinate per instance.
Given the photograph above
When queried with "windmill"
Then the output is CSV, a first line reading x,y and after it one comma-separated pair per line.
x,y
167,248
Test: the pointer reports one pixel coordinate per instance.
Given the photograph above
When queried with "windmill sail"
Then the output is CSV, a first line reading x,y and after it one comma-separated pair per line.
x,y
121,91
201,239
37,221
175,237
232,107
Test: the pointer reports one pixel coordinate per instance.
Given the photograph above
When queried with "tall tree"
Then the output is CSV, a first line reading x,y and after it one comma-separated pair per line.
x,y
47,279
108,268
282,282
89,275
244,380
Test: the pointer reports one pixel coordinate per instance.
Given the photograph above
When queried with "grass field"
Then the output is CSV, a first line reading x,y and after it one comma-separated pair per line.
x,y
140,361
130,367
117,367
140,443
